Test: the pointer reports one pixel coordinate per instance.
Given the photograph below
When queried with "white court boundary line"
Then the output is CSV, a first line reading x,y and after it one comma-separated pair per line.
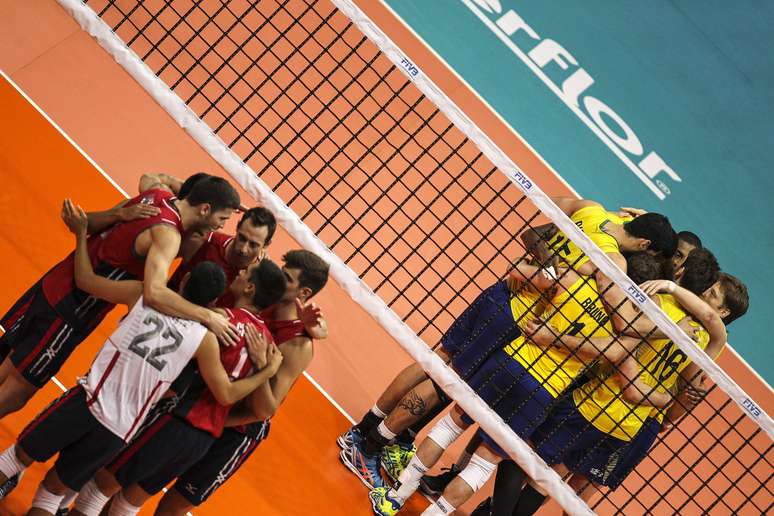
x,y
88,158
472,91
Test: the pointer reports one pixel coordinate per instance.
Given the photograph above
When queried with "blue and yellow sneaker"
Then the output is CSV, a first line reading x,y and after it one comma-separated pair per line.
x,y
348,438
396,457
382,503
366,467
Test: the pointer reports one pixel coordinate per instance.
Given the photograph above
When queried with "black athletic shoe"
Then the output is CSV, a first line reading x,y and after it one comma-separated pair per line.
x,y
9,486
483,509
434,486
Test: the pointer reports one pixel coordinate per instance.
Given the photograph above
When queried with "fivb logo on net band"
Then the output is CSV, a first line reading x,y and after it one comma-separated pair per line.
x,y
606,124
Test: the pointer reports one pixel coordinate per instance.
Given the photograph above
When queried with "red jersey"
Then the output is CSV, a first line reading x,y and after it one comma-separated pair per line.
x,y
198,406
214,250
112,256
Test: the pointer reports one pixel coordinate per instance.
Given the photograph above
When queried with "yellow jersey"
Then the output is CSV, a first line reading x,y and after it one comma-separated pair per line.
x,y
527,303
580,312
661,361
592,221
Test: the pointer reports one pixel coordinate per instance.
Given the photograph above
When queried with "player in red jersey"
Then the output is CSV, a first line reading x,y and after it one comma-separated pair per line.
x,y
234,253
306,275
54,316
167,447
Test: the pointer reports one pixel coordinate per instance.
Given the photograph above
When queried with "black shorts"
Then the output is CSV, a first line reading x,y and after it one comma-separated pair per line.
x,y
39,339
67,427
160,454
222,460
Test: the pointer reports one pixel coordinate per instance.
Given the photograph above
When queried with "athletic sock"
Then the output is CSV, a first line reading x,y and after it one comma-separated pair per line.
x,y
441,507
507,488
529,501
10,465
375,441
370,420
409,478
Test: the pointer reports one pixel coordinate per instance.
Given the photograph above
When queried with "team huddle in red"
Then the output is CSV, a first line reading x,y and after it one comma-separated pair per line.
x,y
184,389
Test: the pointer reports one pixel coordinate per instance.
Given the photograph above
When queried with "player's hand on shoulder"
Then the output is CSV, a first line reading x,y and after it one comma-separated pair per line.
x,y
539,332
690,327
655,286
222,328
309,314
74,217
625,211
257,346
136,211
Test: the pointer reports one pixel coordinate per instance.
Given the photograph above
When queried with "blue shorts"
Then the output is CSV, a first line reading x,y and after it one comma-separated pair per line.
x,y
484,327
513,393
568,437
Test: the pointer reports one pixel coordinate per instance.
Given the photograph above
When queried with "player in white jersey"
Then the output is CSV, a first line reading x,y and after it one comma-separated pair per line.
x,y
92,422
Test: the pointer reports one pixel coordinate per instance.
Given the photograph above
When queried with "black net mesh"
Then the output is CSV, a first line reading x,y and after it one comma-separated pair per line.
x,y
380,174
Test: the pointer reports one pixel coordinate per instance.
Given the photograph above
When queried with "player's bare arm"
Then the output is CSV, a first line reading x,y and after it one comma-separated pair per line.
x,y
634,390
118,292
101,220
163,243
160,180
613,348
215,376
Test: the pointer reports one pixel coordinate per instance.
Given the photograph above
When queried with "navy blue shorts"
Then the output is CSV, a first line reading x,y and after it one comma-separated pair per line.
x,y
512,392
223,459
67,427
568,437
484,327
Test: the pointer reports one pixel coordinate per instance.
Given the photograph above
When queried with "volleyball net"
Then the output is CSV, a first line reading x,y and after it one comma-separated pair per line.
x,y
365,161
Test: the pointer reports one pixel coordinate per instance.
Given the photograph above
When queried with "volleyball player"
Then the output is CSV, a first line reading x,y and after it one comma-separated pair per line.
x,y
178,439
306,275
54,316
91,422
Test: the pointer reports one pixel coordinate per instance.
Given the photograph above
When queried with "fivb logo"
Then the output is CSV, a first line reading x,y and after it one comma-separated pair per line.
x,y
606,124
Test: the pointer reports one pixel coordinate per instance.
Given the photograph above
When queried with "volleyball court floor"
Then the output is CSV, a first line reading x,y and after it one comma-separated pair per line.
x,y
296,471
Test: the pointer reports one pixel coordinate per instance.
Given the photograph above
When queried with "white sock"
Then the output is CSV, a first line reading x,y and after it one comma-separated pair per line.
x,y
10,465
408,481
68,499
375,410
91,500
120,506
439,508
463,460
385,432
46,500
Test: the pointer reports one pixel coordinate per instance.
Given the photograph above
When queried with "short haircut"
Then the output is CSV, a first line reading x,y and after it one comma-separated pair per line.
x,y
657,229
189,183
260,217
701,271
205,284
314,270
642,267
690,238
269,282
735,297
215,191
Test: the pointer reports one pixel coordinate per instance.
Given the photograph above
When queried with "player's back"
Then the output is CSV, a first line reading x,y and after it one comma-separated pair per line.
x,y
591,220
198,406
137,364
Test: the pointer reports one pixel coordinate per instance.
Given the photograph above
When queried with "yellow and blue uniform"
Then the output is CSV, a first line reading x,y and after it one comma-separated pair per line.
x,y
593,221
521,381
597,432
491,321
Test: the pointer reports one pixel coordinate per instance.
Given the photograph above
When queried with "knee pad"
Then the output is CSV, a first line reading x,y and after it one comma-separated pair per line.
x,y
46,500
10,465
91,500
120,506
477,472
445,432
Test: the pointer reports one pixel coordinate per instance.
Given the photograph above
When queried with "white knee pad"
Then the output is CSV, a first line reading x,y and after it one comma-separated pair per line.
x,y
477,472
91,500
120,506
445,432
46,500
10,464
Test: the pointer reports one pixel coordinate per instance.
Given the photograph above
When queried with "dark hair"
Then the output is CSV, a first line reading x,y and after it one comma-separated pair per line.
x,y
260,217
269,282
700,272
314,270
189,183
735,297
690,238
642,267
215,191
206,283
657,229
